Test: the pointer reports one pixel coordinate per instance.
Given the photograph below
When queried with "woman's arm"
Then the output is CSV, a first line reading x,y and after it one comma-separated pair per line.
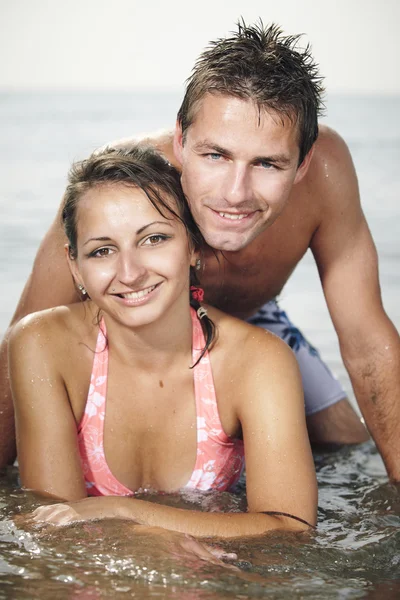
x,y
279,465
280,471
46,431
196,523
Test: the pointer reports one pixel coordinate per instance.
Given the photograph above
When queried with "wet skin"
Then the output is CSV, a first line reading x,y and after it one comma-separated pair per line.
x,y
238,284
291,209
134,264
244,164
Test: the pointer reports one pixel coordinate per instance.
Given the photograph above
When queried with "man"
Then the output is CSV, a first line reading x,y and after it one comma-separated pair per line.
x,y
263,189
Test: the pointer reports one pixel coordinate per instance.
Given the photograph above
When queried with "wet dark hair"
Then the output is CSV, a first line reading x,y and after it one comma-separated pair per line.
x,y
260,64
144,168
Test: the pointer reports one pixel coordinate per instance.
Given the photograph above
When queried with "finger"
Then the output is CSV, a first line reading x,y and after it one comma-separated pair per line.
x,y
45,511
222,554
201,550
53,514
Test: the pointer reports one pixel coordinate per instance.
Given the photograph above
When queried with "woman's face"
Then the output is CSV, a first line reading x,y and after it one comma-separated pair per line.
x,y
133,262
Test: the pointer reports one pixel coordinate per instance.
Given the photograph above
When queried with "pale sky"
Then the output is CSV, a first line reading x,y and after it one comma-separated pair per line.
x,y
127,44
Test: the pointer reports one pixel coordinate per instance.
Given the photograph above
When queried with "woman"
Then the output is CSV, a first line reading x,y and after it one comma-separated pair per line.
x,y
179,394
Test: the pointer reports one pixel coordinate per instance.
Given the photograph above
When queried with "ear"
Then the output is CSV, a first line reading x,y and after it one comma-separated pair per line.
x,y
303,168
73,267
195,255
178,142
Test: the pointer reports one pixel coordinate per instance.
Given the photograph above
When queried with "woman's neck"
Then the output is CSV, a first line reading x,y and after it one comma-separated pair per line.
x,y
158,344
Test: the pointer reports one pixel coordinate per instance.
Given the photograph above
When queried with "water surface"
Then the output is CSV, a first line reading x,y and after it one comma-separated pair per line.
x,y
355,552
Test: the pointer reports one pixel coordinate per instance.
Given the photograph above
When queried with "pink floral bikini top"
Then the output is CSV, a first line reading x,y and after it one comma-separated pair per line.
x,y
219,460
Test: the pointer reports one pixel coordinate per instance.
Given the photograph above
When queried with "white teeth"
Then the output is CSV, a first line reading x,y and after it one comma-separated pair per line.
x,y
233,217
137,295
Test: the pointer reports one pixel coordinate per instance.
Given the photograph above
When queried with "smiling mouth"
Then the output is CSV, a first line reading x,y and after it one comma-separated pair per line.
x,y
138,295
233,216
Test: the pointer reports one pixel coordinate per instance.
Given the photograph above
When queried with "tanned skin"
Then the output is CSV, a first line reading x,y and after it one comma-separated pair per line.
x,y
150,432
322,212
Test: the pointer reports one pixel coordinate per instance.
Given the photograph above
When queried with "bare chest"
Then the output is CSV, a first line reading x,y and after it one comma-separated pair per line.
x,y
240,283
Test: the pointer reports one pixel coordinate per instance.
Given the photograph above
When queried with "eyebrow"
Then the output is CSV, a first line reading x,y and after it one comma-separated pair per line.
x,y
280,159
210,146
138,232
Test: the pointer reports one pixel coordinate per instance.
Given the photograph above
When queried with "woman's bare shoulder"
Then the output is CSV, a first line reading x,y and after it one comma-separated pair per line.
x,y
243,341
251,363
248,360
52,327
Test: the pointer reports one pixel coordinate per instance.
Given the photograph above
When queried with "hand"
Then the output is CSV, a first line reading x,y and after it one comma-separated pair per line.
x,y
207,552
180,546
100,508
70,512
55,514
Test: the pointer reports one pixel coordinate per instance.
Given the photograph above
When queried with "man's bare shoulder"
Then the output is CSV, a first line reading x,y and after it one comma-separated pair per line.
x,y
331,178
161,140
330,153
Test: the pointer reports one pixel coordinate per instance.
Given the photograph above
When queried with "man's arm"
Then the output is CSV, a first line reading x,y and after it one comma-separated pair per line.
x,y
49,284
160,140
348,267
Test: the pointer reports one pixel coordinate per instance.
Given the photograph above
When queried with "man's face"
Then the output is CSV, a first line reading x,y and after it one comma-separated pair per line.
x,y
238,167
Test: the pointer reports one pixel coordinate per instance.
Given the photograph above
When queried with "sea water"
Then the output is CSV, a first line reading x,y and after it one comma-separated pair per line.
x,y
355,552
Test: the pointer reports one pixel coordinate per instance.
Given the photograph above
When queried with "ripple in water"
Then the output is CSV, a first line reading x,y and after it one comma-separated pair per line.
x,y
355,552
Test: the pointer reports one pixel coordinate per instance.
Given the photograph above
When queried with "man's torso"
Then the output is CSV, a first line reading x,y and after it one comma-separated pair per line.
x,y
241,282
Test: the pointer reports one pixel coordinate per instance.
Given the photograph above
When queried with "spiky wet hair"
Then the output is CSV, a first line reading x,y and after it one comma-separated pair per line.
x,y
260,64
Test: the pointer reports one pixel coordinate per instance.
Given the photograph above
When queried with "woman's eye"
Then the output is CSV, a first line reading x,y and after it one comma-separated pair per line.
x,y
101,252
154,240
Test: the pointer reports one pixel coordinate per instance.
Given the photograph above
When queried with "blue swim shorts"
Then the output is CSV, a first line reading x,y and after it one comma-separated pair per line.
x,y
321,388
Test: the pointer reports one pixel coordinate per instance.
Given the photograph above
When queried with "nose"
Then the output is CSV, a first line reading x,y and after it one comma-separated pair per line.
x,y
237,189
131,270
